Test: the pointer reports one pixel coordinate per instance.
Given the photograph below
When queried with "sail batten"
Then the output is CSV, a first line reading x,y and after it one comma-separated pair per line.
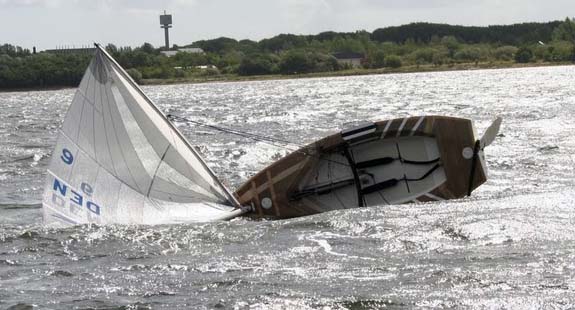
x,y
119,160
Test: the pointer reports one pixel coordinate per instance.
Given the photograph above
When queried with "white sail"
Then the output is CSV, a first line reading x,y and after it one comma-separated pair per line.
x,y
119,160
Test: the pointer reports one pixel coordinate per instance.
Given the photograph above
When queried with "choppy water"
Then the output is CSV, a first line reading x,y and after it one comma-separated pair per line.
x,y
509,246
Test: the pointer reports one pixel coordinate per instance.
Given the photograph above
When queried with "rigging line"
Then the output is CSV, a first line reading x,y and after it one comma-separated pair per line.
x,y
273,142
268,140
236,132
241,134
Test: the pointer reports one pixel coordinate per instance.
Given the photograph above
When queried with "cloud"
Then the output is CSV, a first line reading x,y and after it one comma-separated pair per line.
x,y
303,14
142,5
345,5
139,5
28,3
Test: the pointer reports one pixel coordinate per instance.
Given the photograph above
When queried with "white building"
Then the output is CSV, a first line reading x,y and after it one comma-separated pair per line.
x,y
353,60
192,50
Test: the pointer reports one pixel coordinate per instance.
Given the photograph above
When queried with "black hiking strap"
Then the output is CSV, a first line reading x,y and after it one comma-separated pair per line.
x,y
393,182
379,186
375,162
430,171
423,162
320,189
473,164
389,160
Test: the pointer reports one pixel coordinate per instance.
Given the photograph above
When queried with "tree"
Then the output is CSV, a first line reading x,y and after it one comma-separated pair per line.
x,y
424,55
347,45
135,74
393,61
321,62
558,51
452,45
440,57
506,52
210,72
148,48
183,59
376,59
565,31
255,65
232,58
508,34
295,62
112,49
13,51
247,47
282,42
524,55
471,54
220,45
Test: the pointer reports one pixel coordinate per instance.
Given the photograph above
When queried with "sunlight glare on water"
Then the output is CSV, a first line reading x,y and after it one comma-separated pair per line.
x,y
511,245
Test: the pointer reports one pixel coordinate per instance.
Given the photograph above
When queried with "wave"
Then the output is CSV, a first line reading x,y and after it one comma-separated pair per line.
x,y
11,206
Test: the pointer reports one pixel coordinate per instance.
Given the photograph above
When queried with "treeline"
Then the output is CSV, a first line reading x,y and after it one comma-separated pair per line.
x,y
417,44
13,51
26,70
517,34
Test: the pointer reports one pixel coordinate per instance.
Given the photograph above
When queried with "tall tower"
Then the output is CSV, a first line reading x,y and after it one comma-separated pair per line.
x,y
166,22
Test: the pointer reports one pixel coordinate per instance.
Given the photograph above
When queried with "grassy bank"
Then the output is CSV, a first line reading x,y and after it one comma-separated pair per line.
x,y
352,72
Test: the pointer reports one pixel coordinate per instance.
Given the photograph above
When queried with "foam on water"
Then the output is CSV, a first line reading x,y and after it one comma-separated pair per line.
x,y
508,246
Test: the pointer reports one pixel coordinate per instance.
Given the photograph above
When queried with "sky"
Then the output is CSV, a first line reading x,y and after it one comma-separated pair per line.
x,y
49,24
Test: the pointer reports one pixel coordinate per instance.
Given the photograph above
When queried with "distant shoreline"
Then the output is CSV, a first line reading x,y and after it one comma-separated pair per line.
x,y
355,72
342,73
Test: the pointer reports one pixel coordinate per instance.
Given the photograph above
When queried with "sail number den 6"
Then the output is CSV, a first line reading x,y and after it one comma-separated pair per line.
x,y
61,195
64,194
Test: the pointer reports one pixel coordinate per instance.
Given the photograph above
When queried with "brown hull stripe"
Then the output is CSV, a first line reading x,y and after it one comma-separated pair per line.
x,y
256,199
273,192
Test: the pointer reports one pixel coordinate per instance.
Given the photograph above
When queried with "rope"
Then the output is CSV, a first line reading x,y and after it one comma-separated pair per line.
x,y
253,136
280,143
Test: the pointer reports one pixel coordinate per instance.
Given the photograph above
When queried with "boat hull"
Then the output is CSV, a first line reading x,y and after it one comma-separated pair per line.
x,y
415,159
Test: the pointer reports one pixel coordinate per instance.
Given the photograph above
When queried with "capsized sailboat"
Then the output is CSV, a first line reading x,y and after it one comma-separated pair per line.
x,y
119,160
